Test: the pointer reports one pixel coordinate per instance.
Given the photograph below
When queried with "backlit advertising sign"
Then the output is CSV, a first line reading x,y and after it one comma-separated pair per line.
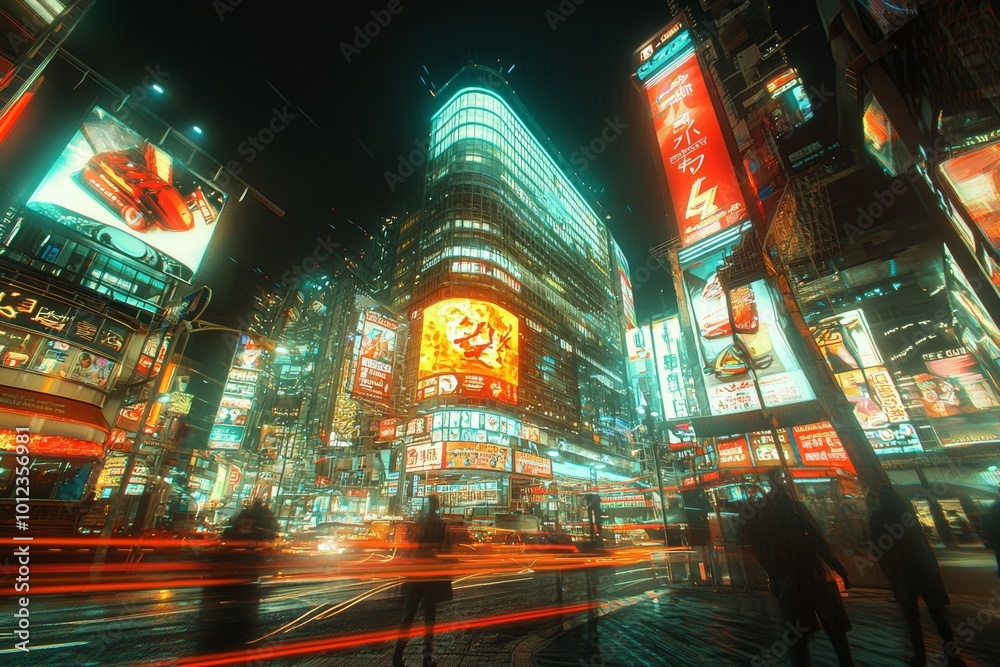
x,y
420,458
636,344
846,342
112,185
702,181
477,456
889,16
764,452
756,324
386,430
529,464
733,452
468,348
820,446
895,439
374,358
958,398
673,388
975,178
628,300
230,423
725,372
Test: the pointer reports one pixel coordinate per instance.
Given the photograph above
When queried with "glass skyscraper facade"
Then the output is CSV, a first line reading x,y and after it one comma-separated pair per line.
x,y
520,274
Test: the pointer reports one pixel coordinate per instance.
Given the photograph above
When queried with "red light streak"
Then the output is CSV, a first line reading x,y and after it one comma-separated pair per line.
x,y
372,637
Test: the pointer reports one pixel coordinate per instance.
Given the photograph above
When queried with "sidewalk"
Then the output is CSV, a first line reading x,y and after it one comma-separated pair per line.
x,y
691,627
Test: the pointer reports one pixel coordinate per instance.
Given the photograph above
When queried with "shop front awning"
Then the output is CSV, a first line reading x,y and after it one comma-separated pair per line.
x,y
53,419
808,412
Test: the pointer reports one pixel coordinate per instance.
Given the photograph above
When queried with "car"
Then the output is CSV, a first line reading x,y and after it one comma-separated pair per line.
x,y
335,538
142,199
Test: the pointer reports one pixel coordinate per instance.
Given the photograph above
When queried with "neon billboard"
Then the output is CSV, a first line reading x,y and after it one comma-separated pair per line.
x,y
230,424
975,178
112,185
468,348
477,456
374,359
703,183
628,299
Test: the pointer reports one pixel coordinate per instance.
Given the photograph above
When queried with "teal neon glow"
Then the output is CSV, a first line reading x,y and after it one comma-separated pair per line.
x,y
483,116
674,50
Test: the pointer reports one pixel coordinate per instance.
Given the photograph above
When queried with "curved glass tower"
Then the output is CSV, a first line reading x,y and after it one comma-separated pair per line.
x,y
512,278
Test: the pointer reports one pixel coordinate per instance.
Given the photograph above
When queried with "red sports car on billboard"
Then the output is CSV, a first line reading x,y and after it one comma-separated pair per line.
x,y
138,195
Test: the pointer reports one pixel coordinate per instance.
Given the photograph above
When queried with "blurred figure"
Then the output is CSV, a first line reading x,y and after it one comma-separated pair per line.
x,y
431,540
798,562
230,600
911,568
991,523
255,523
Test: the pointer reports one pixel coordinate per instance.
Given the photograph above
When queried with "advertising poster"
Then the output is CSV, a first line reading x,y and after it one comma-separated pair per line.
x,y
111,184
529,464
477,456
975,178
724,371
846,342
733,452
781,380
703,184
420,458
468,348
895,439
764,452
954,384
867,410
673,387
373,365
888,15
386,430
820,447
628,300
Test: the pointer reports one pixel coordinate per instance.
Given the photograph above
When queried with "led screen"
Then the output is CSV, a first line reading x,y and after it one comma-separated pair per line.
x,y
468,348
756,323
529,464
112,185
733,452
374,359
477,456
673,388
846,342
820,446
703,184
628,300
724,371
975,178
421,458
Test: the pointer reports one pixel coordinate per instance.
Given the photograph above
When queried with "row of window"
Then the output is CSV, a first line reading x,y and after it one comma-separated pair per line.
x,y
30,351
479,114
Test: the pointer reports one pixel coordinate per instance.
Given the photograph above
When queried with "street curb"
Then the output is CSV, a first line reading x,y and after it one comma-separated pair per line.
x,y
523,652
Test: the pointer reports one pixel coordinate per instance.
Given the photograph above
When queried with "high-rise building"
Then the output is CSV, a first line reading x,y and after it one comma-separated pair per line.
x,y
517,307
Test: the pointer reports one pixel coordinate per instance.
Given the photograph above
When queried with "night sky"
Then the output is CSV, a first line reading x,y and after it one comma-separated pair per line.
x,y
228,69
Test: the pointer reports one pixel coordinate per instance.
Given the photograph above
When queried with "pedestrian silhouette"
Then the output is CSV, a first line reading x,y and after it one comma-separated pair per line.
x,y
912,570
798,562
991,524
423,552
255,523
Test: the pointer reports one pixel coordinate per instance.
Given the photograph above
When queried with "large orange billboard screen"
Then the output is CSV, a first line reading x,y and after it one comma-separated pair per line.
x,y
468,348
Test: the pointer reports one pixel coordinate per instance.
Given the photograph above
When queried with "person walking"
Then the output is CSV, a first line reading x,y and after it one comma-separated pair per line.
x,y
991,525
800,564
911,569
423,553
255,523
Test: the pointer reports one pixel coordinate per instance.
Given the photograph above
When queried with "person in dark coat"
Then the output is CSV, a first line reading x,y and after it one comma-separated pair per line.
x,y
991,524
800,565
906,559
255,523
423,553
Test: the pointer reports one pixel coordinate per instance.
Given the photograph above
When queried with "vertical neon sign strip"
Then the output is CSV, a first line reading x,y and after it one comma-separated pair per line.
x,y
703,183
